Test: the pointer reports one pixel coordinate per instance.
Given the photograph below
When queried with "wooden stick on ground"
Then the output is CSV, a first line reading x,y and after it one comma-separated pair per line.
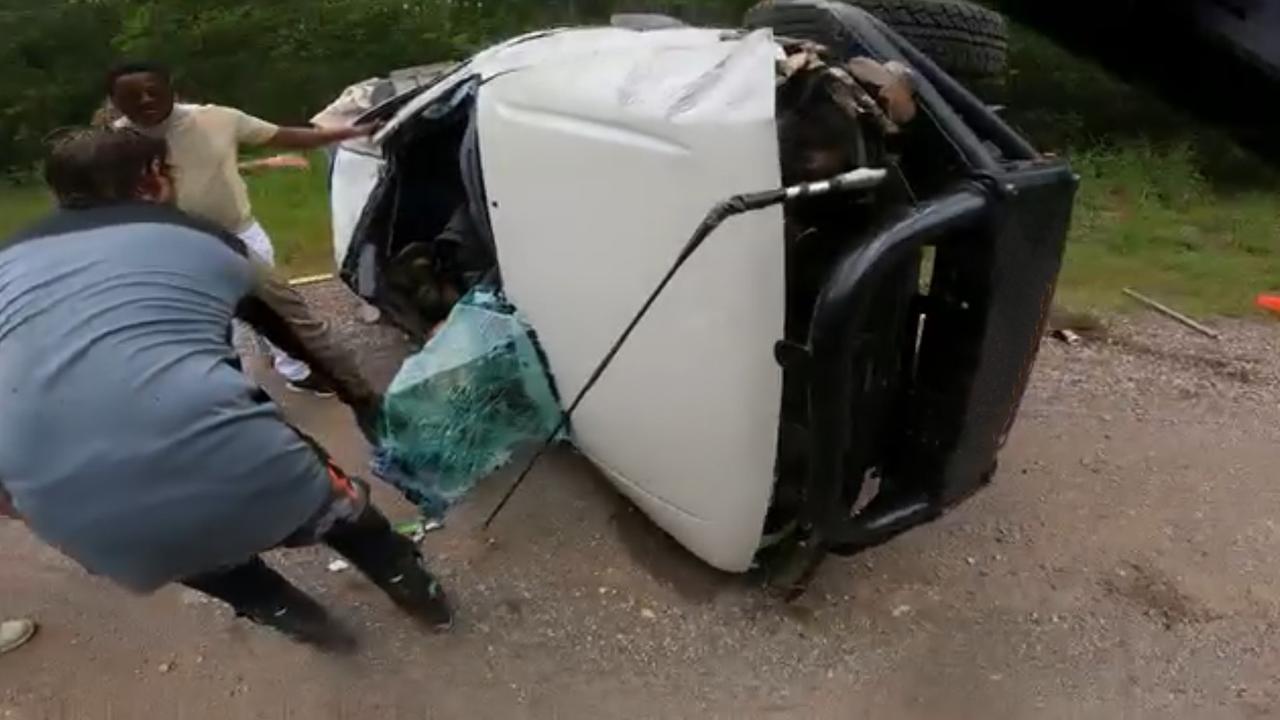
x,y
311,279
1174,314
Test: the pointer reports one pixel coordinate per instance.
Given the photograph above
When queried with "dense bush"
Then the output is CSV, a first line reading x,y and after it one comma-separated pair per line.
x,y
280,59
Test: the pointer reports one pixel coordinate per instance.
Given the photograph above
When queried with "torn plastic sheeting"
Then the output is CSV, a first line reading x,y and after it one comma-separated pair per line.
x,y
458,409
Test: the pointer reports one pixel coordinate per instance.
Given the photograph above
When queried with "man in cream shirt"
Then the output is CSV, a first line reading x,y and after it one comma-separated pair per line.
x,y
204,145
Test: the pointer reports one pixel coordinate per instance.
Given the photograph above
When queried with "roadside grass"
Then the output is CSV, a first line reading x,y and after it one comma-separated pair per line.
x,y
1146,218
292,205
20,205
1165,206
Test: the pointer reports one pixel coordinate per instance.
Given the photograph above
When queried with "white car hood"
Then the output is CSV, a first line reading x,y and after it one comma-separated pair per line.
x,y
601,151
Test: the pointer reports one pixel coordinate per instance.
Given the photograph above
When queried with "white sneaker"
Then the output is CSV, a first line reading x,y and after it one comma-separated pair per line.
x,y
15,633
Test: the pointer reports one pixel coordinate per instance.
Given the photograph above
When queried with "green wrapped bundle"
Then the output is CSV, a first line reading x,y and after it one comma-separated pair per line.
x,y
458,409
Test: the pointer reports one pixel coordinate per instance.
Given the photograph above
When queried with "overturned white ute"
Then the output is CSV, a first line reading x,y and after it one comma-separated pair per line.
x,y
797,389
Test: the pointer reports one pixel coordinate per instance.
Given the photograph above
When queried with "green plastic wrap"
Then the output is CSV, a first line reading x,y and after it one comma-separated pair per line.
x,y
459,409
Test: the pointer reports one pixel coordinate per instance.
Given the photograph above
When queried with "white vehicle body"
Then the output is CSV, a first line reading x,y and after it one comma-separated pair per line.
x,y
601,149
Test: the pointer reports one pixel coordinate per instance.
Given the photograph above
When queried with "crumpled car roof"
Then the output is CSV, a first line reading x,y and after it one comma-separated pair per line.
x,y
558,45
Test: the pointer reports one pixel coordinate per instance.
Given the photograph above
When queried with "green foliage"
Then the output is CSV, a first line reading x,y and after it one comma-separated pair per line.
x,y
1067,104
53,55
280,60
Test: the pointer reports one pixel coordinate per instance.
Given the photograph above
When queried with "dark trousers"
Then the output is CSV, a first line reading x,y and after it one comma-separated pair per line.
x,y
257,591
350,524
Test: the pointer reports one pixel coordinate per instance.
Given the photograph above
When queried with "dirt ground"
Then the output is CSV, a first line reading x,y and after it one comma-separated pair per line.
x,y
1122,565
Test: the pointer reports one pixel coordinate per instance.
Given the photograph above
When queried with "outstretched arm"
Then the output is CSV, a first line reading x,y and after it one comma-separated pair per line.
x,y
280,315
257,132
299,138
289,161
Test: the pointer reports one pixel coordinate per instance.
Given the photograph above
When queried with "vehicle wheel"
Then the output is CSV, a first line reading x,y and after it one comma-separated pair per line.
x,y
966,40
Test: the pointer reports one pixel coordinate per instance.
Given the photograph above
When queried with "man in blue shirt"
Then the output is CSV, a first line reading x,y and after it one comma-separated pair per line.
x,y
131,440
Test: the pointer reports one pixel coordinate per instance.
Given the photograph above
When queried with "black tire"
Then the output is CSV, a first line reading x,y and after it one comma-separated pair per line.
x,y
966,40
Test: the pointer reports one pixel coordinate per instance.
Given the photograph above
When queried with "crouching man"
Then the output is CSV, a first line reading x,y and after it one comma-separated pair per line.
x,y
131,440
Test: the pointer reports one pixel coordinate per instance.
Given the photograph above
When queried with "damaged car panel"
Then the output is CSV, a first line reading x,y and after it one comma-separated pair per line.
x,y
355,173
597,167
923,403
797,389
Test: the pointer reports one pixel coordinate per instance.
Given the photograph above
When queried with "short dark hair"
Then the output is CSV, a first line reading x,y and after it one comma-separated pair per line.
x,y
87,167
134,67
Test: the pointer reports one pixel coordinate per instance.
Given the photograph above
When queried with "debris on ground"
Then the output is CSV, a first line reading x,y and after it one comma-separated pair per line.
x,y
369,314
310,279
338,566
1087,325
1069,337
1173,314
416,530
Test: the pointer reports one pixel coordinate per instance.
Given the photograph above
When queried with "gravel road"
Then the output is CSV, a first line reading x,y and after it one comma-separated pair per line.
x,y
1122,565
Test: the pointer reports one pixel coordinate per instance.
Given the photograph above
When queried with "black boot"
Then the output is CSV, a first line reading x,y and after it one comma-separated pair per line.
x,y
394,564
257,592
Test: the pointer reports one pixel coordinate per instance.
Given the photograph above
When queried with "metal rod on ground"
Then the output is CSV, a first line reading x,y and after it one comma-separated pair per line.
x,y
1174,314
860,178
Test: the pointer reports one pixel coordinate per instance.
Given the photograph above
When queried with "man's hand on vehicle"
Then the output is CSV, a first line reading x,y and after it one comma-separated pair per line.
x,y
298,138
